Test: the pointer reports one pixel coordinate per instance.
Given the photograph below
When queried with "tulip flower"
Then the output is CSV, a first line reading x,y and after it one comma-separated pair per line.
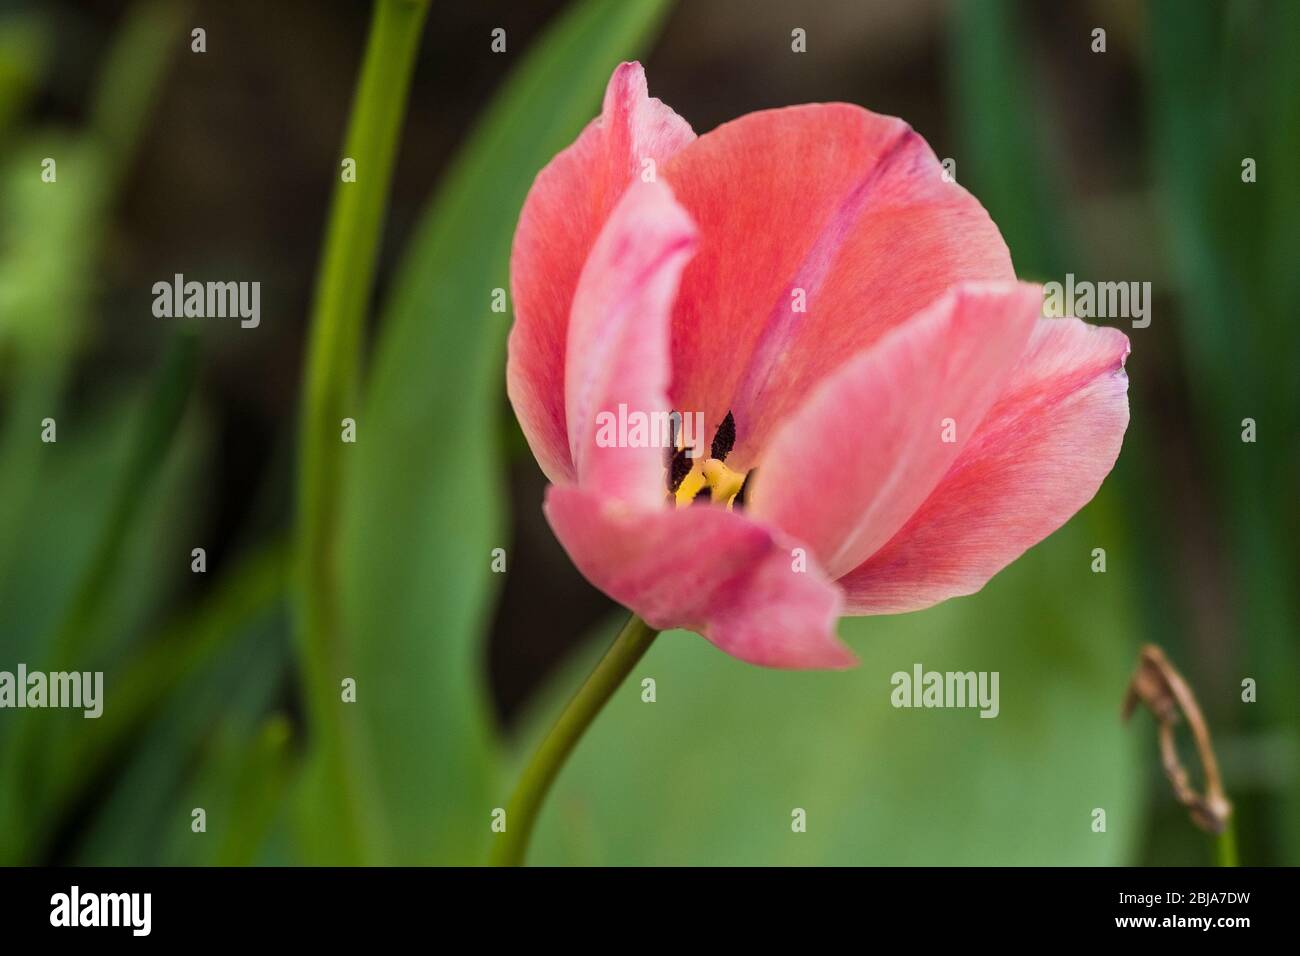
x,y
889,420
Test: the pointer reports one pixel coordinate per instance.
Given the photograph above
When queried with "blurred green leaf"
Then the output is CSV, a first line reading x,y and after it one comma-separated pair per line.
x,y
142,678
50,538
1005,135
130,83
47,251
50,235
258,779
210,747
24,51
131,489
711,771
56,556
424,502
1223,81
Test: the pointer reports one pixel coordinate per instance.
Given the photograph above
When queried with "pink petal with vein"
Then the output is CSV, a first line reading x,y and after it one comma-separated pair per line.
x,y
875,438
845,207
1040,455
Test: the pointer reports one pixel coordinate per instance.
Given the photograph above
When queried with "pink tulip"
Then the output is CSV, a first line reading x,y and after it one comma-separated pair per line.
x,y
895,422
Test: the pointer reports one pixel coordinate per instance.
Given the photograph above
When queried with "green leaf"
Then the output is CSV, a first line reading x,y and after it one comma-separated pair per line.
x,y
129,493
210,747
711,772
256,778
143,679
1004,135
50,232
48,244
24,54
1224,89
130,81
57,563
424,503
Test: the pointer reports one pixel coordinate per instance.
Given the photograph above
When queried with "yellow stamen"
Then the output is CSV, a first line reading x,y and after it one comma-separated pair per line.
x,y
690,486
723,482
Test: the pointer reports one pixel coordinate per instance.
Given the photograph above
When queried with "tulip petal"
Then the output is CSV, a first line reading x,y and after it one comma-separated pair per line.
x,y
618,353
564,212
706,569
1039,456
865,450
829,209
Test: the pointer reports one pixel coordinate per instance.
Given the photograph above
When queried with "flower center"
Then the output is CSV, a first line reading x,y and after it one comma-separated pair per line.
x,y
713,476
694,482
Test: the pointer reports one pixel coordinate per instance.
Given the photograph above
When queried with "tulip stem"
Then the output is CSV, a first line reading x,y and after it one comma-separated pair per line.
x,y
521,814
331,398
1226,845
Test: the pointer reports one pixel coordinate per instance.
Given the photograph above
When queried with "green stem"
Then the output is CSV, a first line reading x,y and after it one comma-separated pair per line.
x,y
1226,845
521,814
347,272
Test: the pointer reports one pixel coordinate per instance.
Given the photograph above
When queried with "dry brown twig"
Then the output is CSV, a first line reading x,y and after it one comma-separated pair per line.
x,y
1158,685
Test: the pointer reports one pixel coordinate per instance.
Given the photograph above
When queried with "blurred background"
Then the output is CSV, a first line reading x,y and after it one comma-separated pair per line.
x,y
1122,165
